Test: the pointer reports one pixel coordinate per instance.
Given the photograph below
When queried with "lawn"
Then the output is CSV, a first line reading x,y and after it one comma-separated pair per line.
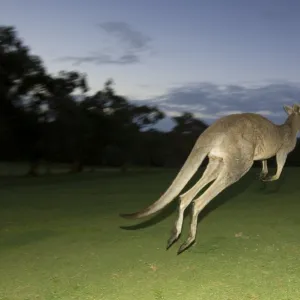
x,y
61,238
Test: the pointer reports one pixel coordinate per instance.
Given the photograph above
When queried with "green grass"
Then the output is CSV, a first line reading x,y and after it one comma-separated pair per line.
x,y
60,238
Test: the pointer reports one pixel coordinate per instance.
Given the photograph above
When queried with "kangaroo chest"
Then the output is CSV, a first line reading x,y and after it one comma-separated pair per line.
x,y
266,147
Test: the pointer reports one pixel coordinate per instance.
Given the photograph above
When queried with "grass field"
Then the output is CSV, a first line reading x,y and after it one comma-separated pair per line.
x,y
60,238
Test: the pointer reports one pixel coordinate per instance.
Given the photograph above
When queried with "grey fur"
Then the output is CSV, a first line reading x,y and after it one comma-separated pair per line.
x,y
232,144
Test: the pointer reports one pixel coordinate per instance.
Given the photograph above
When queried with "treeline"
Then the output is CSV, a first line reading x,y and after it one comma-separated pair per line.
x,y
51,118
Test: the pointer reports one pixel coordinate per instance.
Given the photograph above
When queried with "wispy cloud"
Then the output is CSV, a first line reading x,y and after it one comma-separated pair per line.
x,y
101,59
128,45
133,39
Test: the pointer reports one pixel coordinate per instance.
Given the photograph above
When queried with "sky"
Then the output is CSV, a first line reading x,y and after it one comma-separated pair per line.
x,y
208,57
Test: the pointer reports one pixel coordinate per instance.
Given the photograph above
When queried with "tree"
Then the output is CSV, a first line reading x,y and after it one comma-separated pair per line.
x,y
119,123
183,136
67,113
50,117
22,74
188,124
31,99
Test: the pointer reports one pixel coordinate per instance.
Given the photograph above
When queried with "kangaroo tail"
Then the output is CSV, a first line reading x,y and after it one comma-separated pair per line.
x,y
189,168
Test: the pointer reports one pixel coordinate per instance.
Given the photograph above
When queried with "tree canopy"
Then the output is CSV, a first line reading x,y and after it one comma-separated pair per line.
x,y
51,117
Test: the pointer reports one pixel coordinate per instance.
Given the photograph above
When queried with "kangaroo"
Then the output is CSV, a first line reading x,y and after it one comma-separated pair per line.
x,y
232,144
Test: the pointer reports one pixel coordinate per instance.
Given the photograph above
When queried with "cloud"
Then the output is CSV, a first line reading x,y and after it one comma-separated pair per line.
x,y
209,101
127,46
101,59
135,40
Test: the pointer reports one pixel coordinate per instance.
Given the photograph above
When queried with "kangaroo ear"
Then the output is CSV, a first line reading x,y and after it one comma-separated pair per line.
x,y
289,110
297,108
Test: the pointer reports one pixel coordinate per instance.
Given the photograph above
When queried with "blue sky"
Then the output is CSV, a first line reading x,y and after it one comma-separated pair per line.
x,y
210,57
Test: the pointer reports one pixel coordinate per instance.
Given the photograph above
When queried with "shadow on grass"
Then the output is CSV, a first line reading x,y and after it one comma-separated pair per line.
x,y
11,240
13,181
272,187
51,179
226,195
155,219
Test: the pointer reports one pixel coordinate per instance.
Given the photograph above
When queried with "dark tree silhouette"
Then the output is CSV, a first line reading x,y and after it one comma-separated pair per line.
x,y
21,95
49,117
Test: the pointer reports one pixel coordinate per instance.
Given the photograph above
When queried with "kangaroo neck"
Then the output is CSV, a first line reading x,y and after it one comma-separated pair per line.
x,y
288,131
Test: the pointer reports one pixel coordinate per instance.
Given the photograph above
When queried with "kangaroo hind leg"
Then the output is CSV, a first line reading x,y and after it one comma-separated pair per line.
x,y
233,168
210,173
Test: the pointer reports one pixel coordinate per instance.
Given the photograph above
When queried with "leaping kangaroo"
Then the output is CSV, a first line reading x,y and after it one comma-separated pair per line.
x,y
232,144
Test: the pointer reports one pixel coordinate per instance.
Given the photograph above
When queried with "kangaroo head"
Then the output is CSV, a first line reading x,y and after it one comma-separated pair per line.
x,y
293,114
